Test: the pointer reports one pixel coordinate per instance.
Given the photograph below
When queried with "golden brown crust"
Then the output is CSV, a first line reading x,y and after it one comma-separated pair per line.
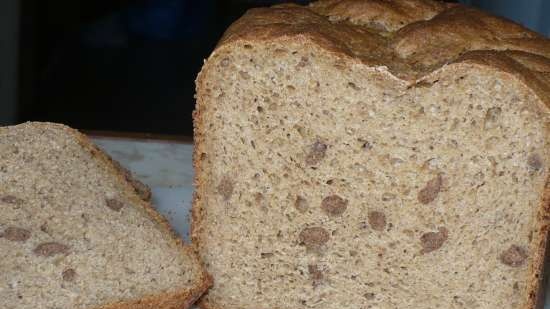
x,y
388,15
537,288
204,304
455,31
197,208
177,300
526,69
413,39
170,300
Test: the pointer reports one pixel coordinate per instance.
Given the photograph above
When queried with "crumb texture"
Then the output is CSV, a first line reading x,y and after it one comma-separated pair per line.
x,y
72,234
327,182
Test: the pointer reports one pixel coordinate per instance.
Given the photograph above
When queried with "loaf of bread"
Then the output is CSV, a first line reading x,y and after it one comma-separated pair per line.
x,y
77,232
373,154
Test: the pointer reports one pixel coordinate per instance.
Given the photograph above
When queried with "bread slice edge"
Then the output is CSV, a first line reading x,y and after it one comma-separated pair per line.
x,y
138,193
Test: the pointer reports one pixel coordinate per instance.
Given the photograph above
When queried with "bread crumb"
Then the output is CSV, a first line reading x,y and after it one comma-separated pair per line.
x,y
514,256
432,241
114,204
334,205
301,204
49,249
225,188
69,274
369,296
225,62
429,193
315,274
265,255
244,75
314,237
534,162
16,234
316,153
303,62
10,199
377,220
491,117
386,196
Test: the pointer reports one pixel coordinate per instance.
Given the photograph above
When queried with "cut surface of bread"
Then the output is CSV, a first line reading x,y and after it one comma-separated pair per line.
x,y
76,232
350,159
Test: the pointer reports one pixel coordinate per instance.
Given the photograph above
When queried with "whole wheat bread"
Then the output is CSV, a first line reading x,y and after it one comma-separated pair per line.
x,y
373,154
76,231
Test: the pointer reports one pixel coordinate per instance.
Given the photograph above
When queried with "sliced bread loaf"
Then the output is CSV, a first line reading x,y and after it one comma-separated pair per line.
x,y
373,154
76,231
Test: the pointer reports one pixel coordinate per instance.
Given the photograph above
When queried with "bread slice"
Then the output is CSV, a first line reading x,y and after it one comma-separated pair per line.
x,y
76,232
373,154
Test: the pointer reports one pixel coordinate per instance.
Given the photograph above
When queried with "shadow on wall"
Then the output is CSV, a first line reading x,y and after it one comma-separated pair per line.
x,y
130,65
132,69
9,19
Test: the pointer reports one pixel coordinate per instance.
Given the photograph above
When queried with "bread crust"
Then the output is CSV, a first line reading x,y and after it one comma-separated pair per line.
x,y
419,48
169,300
410,40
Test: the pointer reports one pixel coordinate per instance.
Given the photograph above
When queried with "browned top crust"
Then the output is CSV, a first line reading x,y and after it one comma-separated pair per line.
x,y
412,38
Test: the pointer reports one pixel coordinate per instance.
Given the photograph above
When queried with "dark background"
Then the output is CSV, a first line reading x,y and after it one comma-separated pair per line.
x,y
128,65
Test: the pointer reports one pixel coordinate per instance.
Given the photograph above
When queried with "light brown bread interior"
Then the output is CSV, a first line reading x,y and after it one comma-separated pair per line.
x,y
327,182
74,233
